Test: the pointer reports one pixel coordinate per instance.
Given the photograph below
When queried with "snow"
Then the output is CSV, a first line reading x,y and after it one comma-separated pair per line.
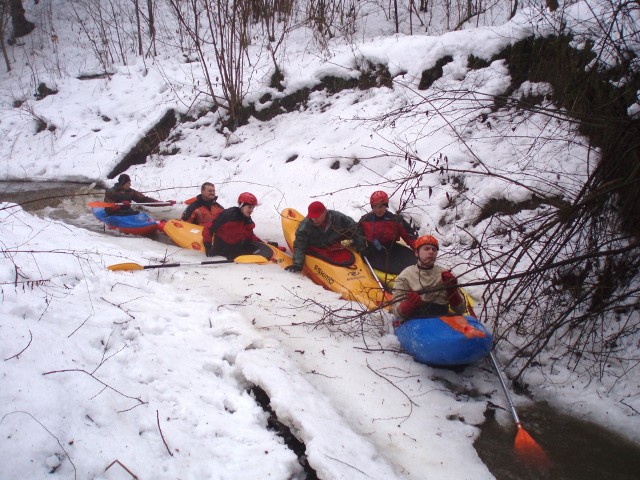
x,y
153,368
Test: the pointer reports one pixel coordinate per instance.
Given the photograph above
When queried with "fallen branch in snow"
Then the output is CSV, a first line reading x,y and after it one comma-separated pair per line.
x,y
627,405
107,386
119,305
161,434
18,354
122,465
411,402
80,326
75,472
351,320
347,464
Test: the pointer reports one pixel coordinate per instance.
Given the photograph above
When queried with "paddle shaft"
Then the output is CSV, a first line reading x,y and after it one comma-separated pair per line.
x,y
504,388
113,204
168,265
257,259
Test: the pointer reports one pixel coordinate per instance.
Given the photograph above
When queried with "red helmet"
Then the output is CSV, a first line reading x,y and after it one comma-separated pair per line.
x,y
378,198
426,240
247,198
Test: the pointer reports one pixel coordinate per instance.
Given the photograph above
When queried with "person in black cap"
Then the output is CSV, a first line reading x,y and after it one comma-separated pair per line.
x,y
123,194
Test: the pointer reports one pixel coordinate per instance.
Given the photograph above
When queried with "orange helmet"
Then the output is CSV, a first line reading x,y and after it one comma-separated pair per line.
x,y
378,198
247,198
427,240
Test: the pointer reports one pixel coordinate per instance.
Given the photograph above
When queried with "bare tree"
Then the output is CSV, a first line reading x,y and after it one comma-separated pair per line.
x,y
21,26
4,20
223,28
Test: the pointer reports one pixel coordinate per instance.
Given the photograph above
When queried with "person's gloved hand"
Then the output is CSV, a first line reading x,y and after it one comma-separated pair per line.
x,y
451,282
282,249
171,202
126,203
409,304
208,248
293,268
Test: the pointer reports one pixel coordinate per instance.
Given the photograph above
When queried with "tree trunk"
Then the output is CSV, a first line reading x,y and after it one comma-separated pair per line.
x,y
21,26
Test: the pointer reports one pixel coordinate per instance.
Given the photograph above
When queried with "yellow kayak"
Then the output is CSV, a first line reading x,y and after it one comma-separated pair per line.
x,y
188,235
355,282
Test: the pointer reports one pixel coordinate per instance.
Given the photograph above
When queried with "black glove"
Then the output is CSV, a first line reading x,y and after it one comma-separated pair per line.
x,y
208,248
293,268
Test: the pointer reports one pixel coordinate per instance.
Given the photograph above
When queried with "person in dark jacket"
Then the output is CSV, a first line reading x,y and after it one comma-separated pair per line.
x,y
382,230
204,209
122,193
321,234
231,233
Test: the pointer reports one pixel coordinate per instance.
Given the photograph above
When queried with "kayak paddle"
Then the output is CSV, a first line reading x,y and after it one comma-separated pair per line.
x,y
525,446
112,204
258,259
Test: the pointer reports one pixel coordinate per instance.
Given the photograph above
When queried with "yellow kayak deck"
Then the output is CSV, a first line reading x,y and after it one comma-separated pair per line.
x,y
189,235
355,282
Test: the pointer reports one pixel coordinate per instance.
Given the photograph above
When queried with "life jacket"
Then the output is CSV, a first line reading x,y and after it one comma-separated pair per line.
x,y
202,212
232,232
386,230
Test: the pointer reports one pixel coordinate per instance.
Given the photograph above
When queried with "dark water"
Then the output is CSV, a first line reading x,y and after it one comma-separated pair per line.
x,y
64,201
578,450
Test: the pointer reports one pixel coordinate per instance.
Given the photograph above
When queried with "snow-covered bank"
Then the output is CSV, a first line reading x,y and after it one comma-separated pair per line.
x,y
94,358
101,366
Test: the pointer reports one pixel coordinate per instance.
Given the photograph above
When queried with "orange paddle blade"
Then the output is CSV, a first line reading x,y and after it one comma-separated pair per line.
x,y
125,266
460,324
251,259
528,450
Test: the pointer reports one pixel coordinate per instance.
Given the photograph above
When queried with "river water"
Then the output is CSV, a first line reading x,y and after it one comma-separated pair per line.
x,y
578,450
64,201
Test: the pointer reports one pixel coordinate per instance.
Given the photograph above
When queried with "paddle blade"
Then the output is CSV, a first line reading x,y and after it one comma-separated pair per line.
x,y
250,259
529,451
125,266
101,204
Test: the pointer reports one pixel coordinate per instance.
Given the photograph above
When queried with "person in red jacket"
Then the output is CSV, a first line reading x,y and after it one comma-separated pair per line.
x,y
382,230
231,233
204,209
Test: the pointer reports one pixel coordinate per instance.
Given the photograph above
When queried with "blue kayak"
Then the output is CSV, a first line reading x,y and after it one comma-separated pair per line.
x,y
140,223
445,341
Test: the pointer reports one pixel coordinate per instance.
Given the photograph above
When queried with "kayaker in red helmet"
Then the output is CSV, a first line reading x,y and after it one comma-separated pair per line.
x,y
425,289
382,230
231,233
321,234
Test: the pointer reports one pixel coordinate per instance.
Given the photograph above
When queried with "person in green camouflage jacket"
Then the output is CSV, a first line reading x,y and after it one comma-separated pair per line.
x,y
321,234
